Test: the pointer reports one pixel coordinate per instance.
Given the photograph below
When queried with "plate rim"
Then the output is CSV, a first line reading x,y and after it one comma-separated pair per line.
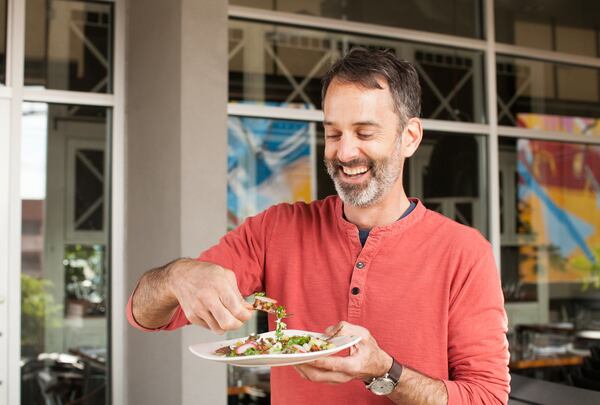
x,y
306,357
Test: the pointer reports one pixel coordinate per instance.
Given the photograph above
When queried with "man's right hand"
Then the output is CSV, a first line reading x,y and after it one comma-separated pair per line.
x,y
208,295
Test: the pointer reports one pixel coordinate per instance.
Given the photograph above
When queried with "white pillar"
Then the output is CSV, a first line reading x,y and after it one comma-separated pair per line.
x,y
176,177
203,149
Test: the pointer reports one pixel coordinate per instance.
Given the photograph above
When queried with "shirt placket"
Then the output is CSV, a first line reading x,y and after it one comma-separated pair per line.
x,y
358,281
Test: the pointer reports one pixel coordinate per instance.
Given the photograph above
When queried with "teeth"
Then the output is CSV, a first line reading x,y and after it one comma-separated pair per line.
x,y
352,171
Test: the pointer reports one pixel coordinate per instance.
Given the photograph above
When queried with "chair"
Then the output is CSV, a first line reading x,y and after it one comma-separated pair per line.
x,y
590,373
591,363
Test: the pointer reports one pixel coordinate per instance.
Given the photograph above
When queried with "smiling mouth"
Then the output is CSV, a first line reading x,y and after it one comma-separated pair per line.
x,y
354,172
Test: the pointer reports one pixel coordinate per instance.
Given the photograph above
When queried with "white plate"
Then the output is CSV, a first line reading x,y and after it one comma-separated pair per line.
x,y
578,352
207,350
589,334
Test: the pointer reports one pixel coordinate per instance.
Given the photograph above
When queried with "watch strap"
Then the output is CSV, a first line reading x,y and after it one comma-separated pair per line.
x,y
395,371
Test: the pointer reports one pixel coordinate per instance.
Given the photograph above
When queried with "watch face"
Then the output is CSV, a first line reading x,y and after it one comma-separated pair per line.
x,y
382,386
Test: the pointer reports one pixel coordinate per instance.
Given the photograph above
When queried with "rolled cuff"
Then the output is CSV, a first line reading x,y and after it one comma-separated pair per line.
x,y
178,319
473,395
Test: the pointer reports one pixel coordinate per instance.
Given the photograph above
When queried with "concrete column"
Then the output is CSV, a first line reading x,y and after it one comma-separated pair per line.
x,y
176,176
203,166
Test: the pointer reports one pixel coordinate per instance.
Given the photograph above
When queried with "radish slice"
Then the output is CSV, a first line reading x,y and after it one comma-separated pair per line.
x,y
299,348
266,299
242,349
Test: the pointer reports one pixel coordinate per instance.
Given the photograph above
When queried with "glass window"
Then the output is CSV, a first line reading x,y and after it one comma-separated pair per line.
x,y
269,161
453,17
68,45
3,26
536,94
559,25
447,173
278,64
64,258
550,246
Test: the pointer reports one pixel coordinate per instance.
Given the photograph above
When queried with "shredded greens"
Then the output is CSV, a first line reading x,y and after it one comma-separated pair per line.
x,y
281,343
280,326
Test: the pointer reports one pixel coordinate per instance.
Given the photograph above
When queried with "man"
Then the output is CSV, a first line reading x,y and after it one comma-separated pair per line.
x,y
421,290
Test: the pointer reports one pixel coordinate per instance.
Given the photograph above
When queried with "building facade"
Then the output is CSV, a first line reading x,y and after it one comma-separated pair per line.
x,y
134,132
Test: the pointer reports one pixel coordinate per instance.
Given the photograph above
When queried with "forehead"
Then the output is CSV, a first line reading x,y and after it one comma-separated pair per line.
x,y
351,102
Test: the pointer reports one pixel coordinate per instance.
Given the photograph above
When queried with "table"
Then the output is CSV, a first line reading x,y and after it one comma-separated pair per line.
x,y
94,360
562,361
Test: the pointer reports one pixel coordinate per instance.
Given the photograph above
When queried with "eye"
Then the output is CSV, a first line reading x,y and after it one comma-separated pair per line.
x,y
333,135
365,135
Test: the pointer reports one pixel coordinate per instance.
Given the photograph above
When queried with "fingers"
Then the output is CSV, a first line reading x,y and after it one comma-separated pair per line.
x,y
334,329
335,363
344,328
213,323
234,302
223,316
300,371
203,319
223,308
315,374
209,296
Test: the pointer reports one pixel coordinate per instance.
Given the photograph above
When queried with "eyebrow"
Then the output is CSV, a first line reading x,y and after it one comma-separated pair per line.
x,y
356,124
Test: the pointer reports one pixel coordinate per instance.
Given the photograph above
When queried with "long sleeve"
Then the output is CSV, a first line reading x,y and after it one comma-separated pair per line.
x,y
242,250
477,346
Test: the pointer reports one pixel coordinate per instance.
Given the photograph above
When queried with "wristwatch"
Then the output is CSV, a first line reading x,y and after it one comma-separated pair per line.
x,y
385,384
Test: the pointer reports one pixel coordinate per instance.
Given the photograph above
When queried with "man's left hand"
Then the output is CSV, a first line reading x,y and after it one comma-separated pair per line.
x,y
366,359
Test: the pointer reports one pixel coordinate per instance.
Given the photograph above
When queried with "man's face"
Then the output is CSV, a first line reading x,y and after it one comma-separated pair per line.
x,y
363,148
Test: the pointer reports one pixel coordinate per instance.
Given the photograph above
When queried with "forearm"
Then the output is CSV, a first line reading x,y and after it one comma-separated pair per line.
x,y
417,389
153,302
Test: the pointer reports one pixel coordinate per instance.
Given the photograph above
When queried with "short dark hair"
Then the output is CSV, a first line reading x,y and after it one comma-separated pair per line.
x,y
364,66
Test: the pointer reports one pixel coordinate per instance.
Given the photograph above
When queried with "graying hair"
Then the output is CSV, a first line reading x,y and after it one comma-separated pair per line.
x,y
364,66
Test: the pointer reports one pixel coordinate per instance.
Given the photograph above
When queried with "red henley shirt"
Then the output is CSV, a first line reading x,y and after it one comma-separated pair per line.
x,y
426,287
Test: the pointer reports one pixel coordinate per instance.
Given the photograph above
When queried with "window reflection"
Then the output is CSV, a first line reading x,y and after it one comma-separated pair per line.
x,y
285,65
64,264
269,162
527,87
272,161
454,17
68,45
569,26
551,214
550,250
447,173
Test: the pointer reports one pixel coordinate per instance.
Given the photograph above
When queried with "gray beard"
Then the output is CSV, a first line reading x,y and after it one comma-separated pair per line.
x,y
358,195
383,177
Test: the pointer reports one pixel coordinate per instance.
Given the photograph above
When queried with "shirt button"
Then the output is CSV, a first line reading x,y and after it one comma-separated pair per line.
x,y
355,291
360,265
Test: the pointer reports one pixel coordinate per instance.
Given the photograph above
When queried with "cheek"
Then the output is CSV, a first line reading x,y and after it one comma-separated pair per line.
x,y
329,152
379,151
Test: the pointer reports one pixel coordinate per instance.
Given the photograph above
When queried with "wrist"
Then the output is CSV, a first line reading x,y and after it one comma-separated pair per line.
x,y
387,362
385,383
172,276
383,365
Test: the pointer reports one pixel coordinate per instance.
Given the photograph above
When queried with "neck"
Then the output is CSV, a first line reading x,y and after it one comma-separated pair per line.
x,y
384,212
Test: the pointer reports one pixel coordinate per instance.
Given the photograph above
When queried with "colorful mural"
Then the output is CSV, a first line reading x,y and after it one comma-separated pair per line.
x,y
559,203
269,162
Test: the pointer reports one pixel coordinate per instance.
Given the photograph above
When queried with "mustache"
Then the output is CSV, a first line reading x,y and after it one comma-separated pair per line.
x,y
351,163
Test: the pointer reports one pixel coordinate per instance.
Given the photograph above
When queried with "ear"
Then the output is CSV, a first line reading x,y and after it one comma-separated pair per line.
x,y
411,137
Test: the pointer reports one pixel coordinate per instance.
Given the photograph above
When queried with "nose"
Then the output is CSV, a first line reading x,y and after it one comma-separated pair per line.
x,y
347,149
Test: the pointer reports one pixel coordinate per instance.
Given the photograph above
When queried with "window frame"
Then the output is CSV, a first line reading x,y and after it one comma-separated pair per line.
x,y
12,96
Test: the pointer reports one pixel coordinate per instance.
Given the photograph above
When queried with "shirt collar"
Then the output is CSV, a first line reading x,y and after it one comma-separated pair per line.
x,y
400,226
